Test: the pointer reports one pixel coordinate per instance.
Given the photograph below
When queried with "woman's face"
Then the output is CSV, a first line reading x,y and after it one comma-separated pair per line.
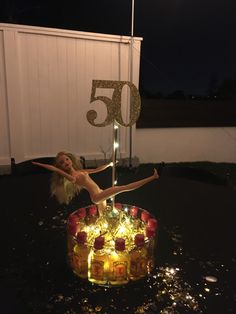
x,y
64,162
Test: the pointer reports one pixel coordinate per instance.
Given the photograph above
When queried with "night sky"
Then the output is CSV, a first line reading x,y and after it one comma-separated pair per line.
x,y
186,44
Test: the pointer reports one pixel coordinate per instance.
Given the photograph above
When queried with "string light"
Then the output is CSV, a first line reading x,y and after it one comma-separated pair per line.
x,y
116,145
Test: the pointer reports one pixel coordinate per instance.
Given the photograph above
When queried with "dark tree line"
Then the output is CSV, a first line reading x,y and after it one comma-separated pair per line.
x,y
225,90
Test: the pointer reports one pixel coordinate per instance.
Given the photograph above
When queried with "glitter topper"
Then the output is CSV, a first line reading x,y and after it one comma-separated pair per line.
x,y
113,104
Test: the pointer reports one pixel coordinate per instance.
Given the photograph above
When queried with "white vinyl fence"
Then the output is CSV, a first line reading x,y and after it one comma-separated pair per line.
x,y
45,87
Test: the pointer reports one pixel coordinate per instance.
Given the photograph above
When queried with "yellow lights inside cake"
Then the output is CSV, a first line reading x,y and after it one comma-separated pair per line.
x,y
114,248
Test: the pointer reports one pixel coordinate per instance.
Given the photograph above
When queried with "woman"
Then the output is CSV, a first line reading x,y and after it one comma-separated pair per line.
x,y
68,179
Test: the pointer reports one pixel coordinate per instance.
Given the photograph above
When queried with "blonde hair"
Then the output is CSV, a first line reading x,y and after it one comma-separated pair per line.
x,y
61,188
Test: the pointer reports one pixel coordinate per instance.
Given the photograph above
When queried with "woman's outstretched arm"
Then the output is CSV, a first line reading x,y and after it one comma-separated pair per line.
x,y
55,169
98,169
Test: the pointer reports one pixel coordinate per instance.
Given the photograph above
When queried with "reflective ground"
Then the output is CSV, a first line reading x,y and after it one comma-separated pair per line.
x,y
196,260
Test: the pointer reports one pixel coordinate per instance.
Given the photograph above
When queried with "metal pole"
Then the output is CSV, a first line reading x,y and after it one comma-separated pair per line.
x,y
114,157
132,20
131,79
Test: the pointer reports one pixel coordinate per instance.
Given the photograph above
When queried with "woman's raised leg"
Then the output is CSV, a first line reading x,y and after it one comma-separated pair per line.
x,y
112,191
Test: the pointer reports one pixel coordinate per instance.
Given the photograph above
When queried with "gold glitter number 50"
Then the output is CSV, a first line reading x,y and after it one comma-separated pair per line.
x,y
113,104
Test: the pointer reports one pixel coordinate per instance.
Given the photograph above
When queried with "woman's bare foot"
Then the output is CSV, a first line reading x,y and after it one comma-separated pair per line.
x,y
155,174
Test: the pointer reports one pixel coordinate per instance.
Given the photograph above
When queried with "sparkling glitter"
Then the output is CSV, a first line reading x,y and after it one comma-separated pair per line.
x,y
98,308
211,279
